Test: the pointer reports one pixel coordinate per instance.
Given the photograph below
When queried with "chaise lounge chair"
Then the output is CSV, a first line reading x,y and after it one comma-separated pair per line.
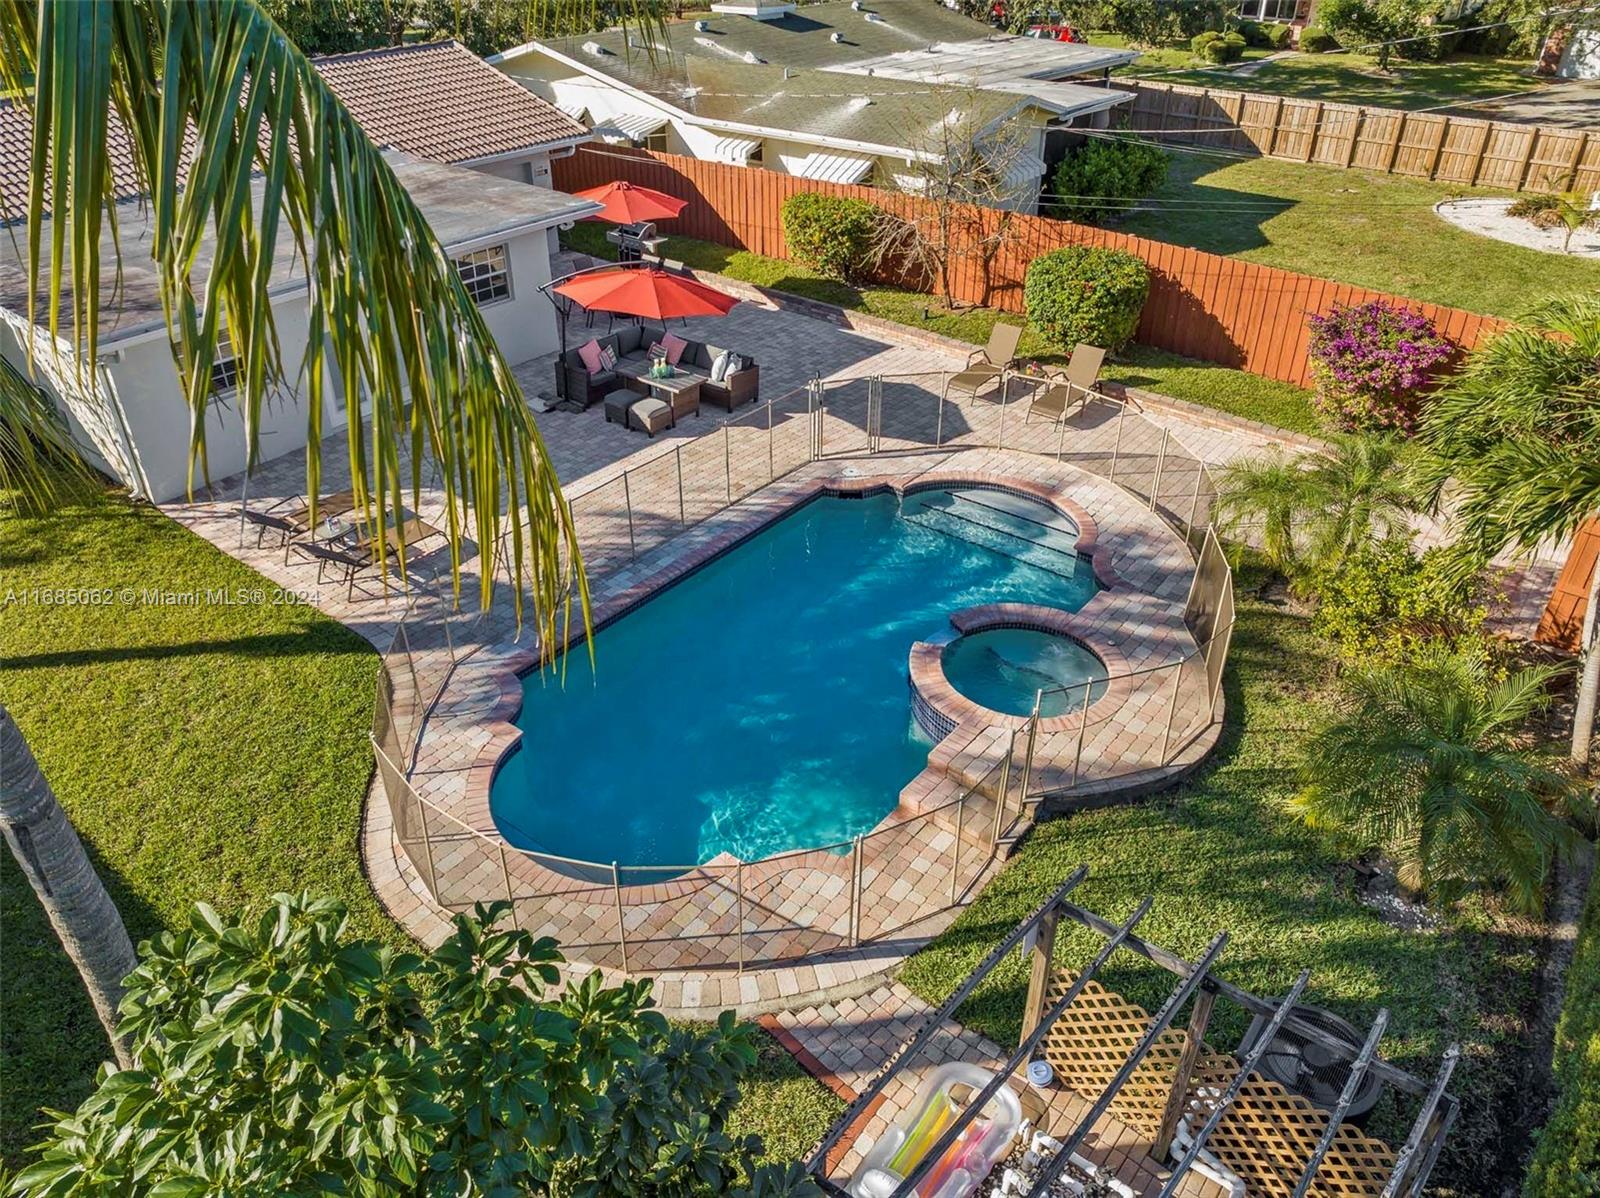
x,y
988,364
1075,384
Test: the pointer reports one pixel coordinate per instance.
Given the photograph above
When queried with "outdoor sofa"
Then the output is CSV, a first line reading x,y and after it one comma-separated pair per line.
x,y
632,345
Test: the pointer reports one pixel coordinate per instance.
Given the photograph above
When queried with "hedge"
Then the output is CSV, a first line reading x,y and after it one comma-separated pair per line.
x,y
830,234
1566,1159
1086,294
1103,177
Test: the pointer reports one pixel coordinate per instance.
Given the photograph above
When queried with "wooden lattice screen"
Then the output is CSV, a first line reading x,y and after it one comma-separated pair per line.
x,y
1266,1137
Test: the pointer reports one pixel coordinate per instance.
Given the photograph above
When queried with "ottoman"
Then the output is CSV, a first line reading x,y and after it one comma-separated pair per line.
x,y
650,415
617,404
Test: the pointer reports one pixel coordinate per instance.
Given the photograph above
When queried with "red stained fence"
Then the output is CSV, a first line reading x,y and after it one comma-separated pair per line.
x,y
1201,305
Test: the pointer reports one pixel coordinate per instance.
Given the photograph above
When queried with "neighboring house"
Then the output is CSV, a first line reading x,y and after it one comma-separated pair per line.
x,y
837,91
129,410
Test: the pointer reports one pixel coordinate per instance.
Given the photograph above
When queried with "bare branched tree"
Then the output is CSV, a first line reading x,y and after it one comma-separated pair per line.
x,y
974,172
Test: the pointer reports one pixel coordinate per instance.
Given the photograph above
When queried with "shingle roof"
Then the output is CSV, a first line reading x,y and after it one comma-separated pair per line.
x,y
436,101
442,102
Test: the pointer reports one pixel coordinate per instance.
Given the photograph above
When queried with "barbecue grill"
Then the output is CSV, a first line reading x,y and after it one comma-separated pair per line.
x,y
635,240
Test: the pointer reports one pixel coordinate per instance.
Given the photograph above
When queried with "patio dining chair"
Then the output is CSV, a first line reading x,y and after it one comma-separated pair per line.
x,y
1075,384
265,522
989,364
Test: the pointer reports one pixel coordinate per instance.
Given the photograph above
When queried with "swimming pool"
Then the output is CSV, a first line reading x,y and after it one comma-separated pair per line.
x,y
760,704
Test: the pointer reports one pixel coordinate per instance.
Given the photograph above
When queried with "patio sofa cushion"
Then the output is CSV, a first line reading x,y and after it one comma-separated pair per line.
x,y
589,355
632,339
675,347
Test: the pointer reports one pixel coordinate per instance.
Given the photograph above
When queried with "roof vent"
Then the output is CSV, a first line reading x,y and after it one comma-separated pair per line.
x,y
787,73
874,17
597,50
858,103
752,56
836,36
758,10
702,26
857,5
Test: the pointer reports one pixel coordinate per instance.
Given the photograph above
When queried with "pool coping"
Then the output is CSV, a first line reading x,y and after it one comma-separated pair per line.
x,y
474,809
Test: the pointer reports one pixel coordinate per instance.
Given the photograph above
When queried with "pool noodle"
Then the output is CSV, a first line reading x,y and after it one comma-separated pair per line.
x,y
939,1115
961,1153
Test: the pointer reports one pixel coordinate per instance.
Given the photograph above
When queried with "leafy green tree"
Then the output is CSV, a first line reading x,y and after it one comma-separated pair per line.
x,y
278,1055
489,26
1385,602
340,26
1423,765
1515,444
1315,510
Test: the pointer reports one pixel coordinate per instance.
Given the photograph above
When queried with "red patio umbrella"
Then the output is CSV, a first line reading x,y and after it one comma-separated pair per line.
x,y
649,292
625,204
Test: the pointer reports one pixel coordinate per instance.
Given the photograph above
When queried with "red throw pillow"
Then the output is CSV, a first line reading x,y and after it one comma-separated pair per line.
x,y
674,345
589,354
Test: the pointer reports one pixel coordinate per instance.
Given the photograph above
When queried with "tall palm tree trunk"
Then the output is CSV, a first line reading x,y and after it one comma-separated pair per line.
x,y
1589,676
47,847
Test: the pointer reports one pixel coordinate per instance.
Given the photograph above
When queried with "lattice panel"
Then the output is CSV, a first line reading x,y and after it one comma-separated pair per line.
x,y
1266,1136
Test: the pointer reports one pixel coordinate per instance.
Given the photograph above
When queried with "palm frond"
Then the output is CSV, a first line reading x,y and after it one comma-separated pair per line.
x,y
275,155
40,466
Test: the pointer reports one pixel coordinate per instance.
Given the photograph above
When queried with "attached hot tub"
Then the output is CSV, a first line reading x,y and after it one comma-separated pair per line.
x,y
1004,669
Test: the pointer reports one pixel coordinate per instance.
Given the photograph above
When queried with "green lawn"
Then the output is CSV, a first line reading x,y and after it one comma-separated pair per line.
x,y
205,752
1342,78
1203,383
1372,230
1218,853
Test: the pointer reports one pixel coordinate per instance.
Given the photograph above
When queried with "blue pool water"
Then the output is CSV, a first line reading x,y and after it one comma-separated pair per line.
x,y
1005,669
761,704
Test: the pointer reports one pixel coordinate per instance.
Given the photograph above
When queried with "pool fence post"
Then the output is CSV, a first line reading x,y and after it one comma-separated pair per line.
x,y
772,470
427,841
1005,393
1083,723
1061,440
955,849
727,463
855,893
1000,797
1161,458
627,499
505,874
739,930
622,931
1116,445
1027,762
1172,708
1194,503
683,520
938,419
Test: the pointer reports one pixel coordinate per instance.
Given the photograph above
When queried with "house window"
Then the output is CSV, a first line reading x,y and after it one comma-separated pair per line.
x,y
224,370
486,274
1268,10
657,141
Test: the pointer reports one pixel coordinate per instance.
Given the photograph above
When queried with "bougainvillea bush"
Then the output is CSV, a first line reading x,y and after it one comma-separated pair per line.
x,y
1374,363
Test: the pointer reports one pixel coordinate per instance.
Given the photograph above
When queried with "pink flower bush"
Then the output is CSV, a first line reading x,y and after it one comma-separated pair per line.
x,y
1373,363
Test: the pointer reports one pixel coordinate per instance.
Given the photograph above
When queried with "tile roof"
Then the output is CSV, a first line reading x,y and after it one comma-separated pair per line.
x,y
442,102
436,101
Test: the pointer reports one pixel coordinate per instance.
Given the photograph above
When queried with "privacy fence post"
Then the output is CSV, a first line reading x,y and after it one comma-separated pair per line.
x,y
627,499
622,931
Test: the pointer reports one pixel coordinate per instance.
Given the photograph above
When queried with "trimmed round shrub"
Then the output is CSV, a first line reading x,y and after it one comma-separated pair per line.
x,y
1374,363
830,234
1088,294
1276,35
1103,176
1218,47
1314,39
1251,32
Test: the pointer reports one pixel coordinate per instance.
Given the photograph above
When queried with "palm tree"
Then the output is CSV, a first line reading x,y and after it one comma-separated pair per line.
x,y
1318,508
1515,438
1422,766
44,843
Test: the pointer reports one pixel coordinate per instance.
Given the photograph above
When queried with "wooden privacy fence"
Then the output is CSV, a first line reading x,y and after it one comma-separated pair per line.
x,y
1201,305
1423,145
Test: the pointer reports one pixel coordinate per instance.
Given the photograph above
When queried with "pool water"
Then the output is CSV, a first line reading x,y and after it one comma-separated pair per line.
x,y
761,704
1004,669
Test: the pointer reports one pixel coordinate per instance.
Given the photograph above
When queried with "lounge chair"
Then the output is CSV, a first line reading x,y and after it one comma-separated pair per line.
x,y
1073,385
988,364
265,522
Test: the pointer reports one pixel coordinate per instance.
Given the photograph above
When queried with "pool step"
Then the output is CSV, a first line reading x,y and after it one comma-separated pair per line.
x,y
998,541
978,510
1022,516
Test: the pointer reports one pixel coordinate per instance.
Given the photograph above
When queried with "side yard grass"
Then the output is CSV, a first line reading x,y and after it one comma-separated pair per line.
x,y
1213,386
1372,230
210,750
1219,853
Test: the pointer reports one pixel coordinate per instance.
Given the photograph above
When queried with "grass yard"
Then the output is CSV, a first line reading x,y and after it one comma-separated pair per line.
x,y
1371,230
1219,853
1342,78
215,752
1205,383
